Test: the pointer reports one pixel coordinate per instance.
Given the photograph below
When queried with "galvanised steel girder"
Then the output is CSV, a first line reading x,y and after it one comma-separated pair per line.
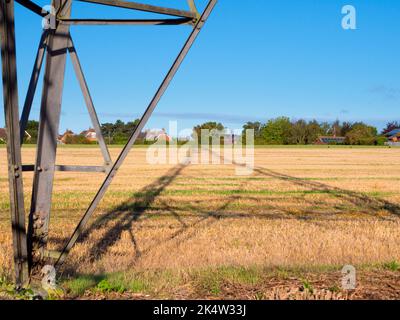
x,y
144,7
89,102
32,6
33,84
30,248
10,95
50,112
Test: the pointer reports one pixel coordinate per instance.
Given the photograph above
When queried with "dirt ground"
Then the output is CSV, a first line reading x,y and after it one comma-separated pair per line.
x,y
371,285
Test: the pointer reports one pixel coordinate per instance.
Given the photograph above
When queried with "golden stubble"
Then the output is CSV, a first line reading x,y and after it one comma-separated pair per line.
x,y
302,207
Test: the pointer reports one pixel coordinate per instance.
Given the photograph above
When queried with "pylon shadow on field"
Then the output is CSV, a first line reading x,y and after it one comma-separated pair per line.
x,y
371,204
123,217
127,213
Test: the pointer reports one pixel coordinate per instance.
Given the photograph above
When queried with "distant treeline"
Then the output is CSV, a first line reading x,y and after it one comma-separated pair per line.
x,y
283,131
278,131
119,132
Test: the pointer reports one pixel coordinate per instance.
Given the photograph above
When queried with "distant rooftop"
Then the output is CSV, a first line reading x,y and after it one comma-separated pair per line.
x,y
331,140
393,133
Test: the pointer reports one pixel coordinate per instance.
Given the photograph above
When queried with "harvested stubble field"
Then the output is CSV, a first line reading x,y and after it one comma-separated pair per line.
x,y
195,231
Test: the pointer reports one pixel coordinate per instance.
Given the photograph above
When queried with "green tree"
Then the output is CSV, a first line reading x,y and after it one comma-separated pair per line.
x,y
107,129
346,128
120,139
325,128
277,131
361,134
207,126
130,127
314,130
336,128
32,127
257,127
76,139
298,133
118,132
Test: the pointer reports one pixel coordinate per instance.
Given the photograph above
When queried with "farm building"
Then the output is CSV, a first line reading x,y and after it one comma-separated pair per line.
x,y
62,138
327,140
90,135
157,135
393,133
393,137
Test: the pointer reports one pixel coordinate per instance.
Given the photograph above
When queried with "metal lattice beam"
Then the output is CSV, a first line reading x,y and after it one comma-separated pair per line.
x,y
30,5
49,121
37,67
89,102
132,22
144,7
10,89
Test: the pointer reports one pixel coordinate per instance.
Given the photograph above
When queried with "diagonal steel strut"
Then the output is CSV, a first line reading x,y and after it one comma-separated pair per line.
x,y
33,84
153,104
32,7
89,102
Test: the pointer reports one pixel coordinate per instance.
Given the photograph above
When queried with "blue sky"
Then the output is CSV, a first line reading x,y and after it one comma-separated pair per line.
x,y
254,60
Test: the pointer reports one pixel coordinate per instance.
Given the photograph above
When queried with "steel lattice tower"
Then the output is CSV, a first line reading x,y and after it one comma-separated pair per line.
x,y
30,244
